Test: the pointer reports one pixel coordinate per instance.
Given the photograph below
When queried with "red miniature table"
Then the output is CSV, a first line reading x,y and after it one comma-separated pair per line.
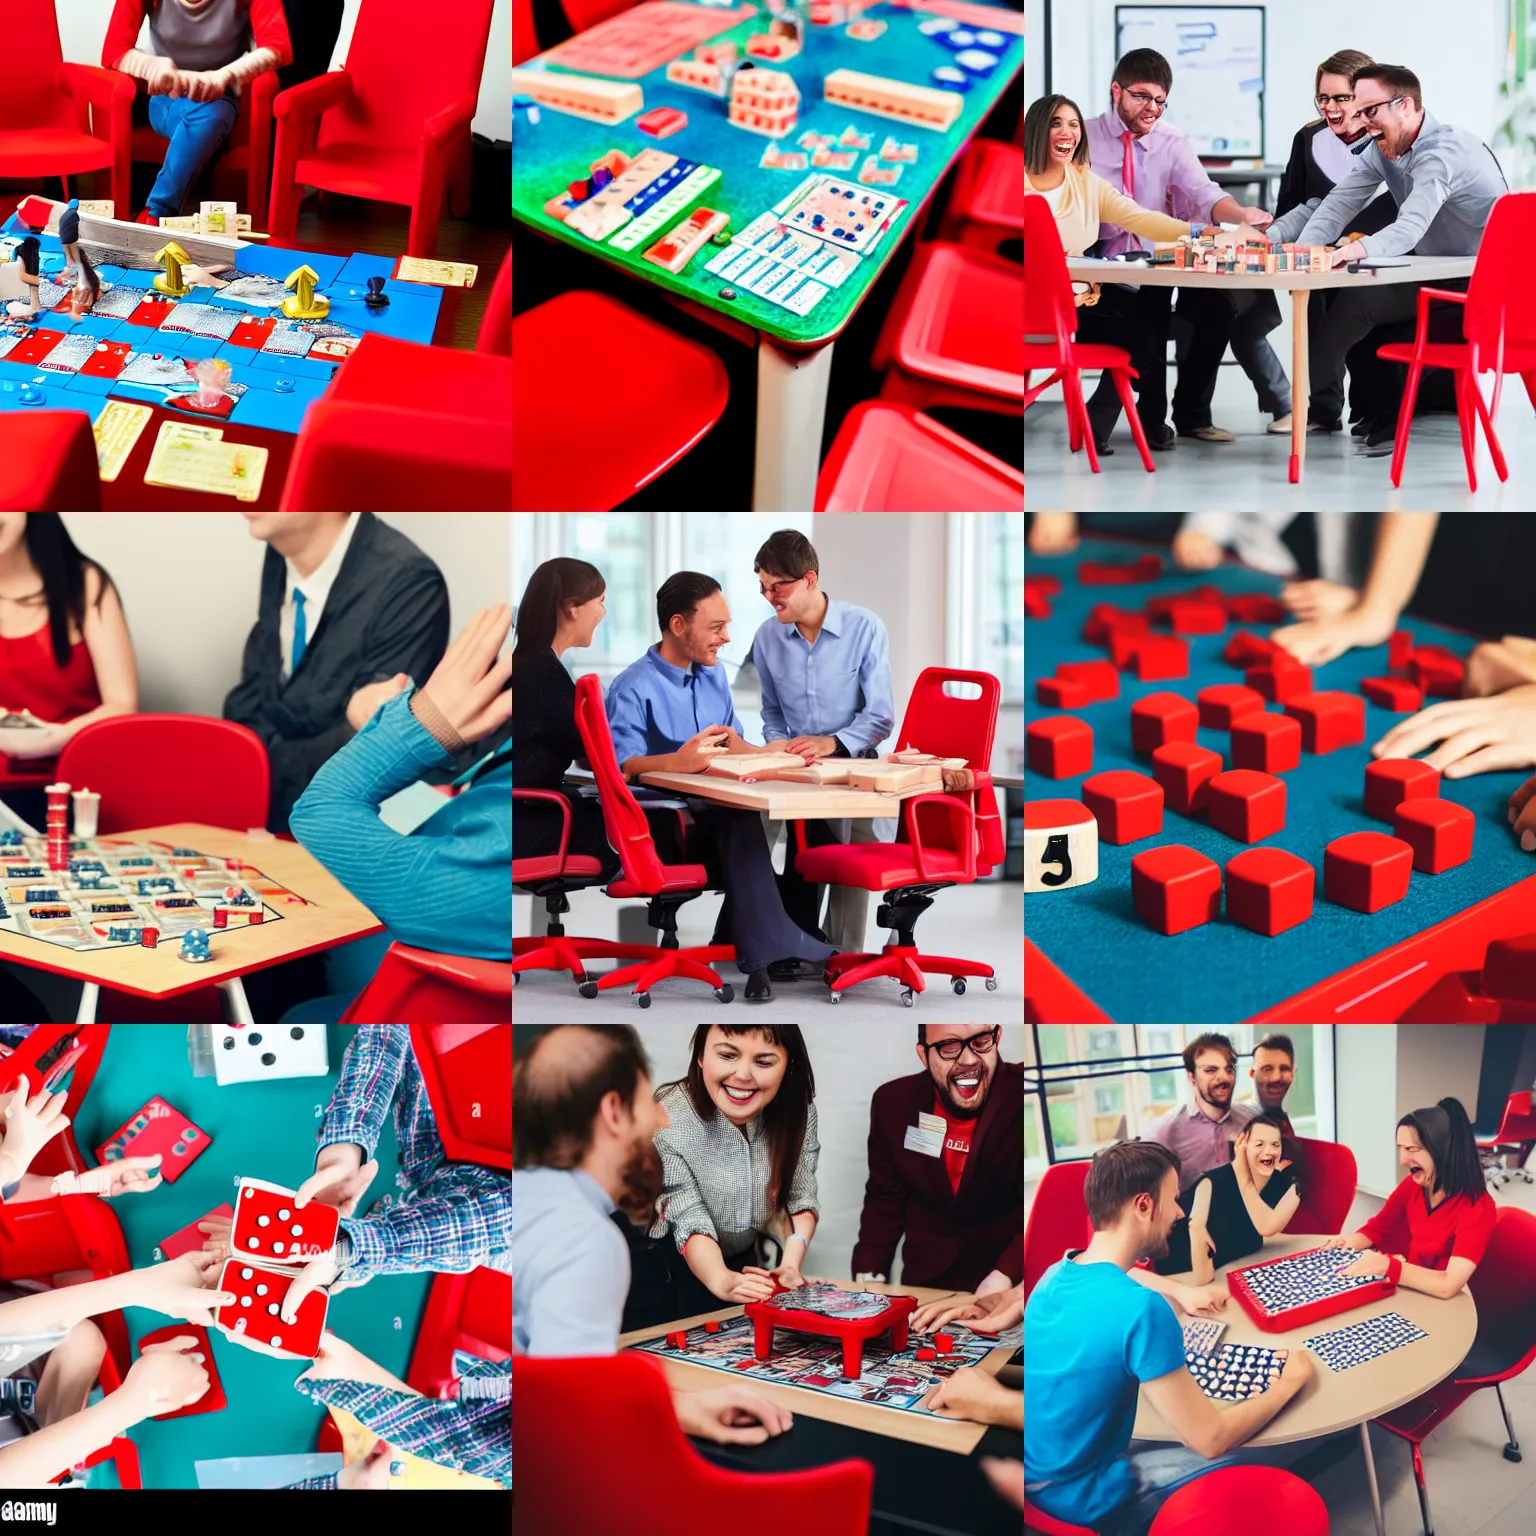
x,y
851,1330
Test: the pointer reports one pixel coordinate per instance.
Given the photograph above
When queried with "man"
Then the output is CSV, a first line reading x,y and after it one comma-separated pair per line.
x,y
350,612
944,1169
826,676
1273,1071
1200,1136
1093,1340
1445,182
583,1115
1133,149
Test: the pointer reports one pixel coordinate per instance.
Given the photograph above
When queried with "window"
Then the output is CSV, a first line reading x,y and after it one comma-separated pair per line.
x,y
1108,1098
1103,1042
985,609
1164,1087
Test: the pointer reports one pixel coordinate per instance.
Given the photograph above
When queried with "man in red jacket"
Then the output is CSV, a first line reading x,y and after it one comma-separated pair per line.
x,y
946,1167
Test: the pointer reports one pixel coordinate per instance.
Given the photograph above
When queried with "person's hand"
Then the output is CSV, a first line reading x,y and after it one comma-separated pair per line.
x,y
1196,551
165,1377
1336,1240
181,1289
127,1176
701,749
1319,640
1243,234
1352,251
734,1415
340,1179
370,1470
1000,1309
318,1275
1298,1367
33,741
372,697
1202,1301
1318,599
202,84
1522,813
469,685
1372,1263
1497,665
162,77
1007,1477
970,1393
339,1361
812,747
1260,218
1475,735
216,1242
752,1284
1053,533
31,1122
788,1276
934,1314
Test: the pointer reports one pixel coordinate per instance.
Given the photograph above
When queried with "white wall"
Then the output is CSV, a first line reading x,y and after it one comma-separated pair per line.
x,y
83,27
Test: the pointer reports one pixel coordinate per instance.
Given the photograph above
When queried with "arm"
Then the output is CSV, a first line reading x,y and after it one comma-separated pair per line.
x,y
1183,1298
1444,1283
1209,1433
703,1256
1334,214
775,727
34,1460
105,632
365,1092
877,719
1267,1219
450,1231
1116,208
1431,188
1200,1245
119,49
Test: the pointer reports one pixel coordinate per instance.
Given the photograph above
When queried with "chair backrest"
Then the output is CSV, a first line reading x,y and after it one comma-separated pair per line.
x,y
1326,1175
525,37
220,772
584,14
496,325
1049,308
1501,1286
467,1069
1519,1120
1274,1503
413,984
1499,296
1058,1219
1038,1523
623,1404
33,100
471,1312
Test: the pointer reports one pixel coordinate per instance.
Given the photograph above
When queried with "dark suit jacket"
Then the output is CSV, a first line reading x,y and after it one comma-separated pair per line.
x,y
953,1240
386,613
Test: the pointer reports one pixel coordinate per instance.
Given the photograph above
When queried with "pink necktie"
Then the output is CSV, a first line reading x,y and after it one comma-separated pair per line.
x,y
1128,165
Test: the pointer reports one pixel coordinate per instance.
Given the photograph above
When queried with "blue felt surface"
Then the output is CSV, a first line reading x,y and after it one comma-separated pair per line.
x,y
280,413
56,399
279,263
1222,972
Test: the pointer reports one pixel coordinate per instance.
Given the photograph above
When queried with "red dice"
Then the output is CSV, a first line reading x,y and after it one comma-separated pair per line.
x,y
1183,769
1366,870
1392,693
1256,608
1036,604
1098,677
1160,718
1397,778
1105,618
1127,806
1174,888
1160,657
1509,970
1437,671
1438,831
1196,618
1123,644
1223,704
1280,678
1060,747
1119,573
1245,804
1268,743
1060,694
1328,720
1247,650
1399,648
1269,890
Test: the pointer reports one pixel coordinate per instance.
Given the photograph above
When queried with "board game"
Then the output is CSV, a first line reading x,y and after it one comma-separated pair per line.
x,y
1235,1371
851,1317
1343,1348
1303,1287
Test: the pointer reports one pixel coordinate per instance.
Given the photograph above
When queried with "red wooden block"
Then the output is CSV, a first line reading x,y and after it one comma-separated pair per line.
x,y
1222,705
1329,720
1399,648
1245,804
1046,586
927,1354
1438,831
1059,693
1149,567
1256,608
1160,718
1036,605
1270,743
1127,806
1509,971
1397,778
1060,747
944,1342
1366,870
1269,890
1189,618
1119,573
1184,769
1392,693
1175,888
1247,650
1099,677
1437,672
1123,644
1279,678
713,1325
1160,657
1103,618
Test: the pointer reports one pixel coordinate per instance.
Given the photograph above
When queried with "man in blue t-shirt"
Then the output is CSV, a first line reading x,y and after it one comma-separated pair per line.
x,y
1095,1332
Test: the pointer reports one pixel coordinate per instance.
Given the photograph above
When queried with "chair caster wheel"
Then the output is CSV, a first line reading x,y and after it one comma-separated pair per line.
x,y
1511,1453
834,997
725,992
908,997
588,989
516,978
958,983
991,983
642,999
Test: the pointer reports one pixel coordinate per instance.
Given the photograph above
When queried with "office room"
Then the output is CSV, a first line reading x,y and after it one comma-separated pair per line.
x,y
1340,1219
1323,201
809,674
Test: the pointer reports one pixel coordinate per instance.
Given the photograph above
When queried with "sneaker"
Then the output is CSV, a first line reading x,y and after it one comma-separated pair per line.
x,y
1208,434
1280,426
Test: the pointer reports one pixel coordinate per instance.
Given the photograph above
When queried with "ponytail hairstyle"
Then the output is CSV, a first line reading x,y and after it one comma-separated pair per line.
x,y
1446,1134
554,584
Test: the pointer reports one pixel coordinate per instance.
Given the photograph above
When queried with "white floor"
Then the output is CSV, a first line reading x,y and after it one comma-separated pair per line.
x,y
979,922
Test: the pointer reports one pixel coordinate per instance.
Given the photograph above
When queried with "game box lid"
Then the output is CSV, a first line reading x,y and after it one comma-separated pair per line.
x,y
1317,1292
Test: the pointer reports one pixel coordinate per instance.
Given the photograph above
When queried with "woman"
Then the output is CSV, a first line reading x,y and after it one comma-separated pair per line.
x,y
1434,1229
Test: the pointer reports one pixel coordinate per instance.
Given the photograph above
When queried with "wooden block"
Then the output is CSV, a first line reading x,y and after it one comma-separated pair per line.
x,y
889,778
818,773
1061,845
920,105
757,765
603,101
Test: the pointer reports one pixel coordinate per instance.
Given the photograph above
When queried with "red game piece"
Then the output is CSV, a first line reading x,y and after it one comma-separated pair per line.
x,y
1046,586
1188,618
1183,769
661,122
943,1342
1366,870
1036,606
1438,831
1256,608
1280,678
1174,888
713,1325
1060,747
1397,778
1123,644
927,1354
1437,671
1159,657
255,1321
1399,648
1060,693
1392,693
1098,677
1509,971
1328,720
1160,718
1127,806
1105,618
1246,650
1223,704
1269,743
189,1238
1269,890
213,1399
777,1312
270,1228
1245,804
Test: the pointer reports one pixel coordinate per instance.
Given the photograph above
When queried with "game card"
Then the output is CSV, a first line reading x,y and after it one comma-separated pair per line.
x,y
157,1130
118,301
203,320
108,360
288,339
1342,1348
213,1399
196,458
841,214
440,274
71,354
256,1319
189,1239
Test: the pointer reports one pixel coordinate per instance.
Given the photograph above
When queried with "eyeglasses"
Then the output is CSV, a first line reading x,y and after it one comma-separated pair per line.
x,y
951,1050
1142,99
774,588
1369,113
1324,102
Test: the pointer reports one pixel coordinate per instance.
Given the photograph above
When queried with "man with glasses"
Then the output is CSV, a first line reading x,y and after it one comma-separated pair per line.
x,y
945,1176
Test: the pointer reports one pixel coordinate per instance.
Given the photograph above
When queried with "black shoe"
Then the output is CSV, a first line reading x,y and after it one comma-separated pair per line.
x,y
1160,435
758,990
1363,427
1317,424
1102,448
794,970
1380,439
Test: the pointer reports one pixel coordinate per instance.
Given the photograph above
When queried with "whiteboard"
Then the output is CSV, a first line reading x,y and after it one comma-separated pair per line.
x,y
1217,56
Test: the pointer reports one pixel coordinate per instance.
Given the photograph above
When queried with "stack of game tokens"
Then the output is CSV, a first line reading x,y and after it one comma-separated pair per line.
x,y
58,826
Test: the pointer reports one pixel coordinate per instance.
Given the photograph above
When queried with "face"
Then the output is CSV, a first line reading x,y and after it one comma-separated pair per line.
x,y
1214,1078
1340,116
1066,134
280,527
1139,105
793,599
1413,1155
1264,1147
585,617
13,529
742,1073
1392,127
641,1172
1162,1217
1273,1072
964,1082
707,632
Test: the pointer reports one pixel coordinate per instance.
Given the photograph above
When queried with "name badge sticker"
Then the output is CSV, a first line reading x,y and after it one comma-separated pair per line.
x,y
921,1139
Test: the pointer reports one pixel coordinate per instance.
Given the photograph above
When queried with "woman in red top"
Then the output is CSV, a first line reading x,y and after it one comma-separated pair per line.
x,y
1434,1229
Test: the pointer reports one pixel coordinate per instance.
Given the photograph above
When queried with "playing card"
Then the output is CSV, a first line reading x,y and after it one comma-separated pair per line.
x,y
203,320
842,214
1341,1348
213,1399
1235,1371
1201,1334
269,1227
157,1129
117,303
189,1239
255,1321
71,354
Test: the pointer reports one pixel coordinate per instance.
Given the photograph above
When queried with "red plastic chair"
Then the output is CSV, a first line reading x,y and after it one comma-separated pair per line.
x,y
467,1069
585,14
1058,1219
623,1404
1327,1176
471,1312
667,885
1050,321
393,124
1504,1347
1273,1502
525,39
1516,1134
223,779
56,118
986,204
47,459
587,364
421,984
892,458
1038,1523
963,839
495,334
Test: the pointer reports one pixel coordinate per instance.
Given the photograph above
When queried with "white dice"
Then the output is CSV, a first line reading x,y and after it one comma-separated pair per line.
x,y
1061,845
250,1053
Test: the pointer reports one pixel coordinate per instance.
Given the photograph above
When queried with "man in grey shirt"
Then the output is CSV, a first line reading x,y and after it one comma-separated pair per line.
x,y
1200,1136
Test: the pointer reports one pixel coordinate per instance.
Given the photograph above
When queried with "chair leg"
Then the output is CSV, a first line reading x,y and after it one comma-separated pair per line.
x,y
1074,420
1465,419
1486,417
1072,387
1512,1449
1405,420
1418,1477
1122,380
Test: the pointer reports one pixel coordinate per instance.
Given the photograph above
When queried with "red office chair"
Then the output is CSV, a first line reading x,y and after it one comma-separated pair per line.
x,y
56,118
1058,1219
623,1403
47,459
986,203
467,1069
392,125
965,844
525,39
470,1312
1326,1176
1516,1135
1050,312
495,335
1273,1502
586,14
1504,1347
1038,1523
667,885
421,984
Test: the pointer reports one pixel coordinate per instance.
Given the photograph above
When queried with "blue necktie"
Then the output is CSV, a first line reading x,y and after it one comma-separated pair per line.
x,y
298,631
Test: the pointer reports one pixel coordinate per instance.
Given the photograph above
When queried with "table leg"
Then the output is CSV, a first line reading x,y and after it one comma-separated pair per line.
x,y
90,998
1370,1478
239,1008
1301,390
791,412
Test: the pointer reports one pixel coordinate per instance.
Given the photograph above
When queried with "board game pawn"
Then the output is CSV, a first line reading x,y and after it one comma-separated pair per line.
x,y
305,303
712,1326
944,1343
927,1354
171,281
376,298
194,946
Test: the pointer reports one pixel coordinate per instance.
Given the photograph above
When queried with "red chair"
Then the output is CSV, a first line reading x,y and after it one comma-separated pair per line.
x,y
586,362
1050,321
1504,1347
496,324
1058,1219
986,204
892,458
467,1069
963,839
623,1404
585,14
224,778
1516,1135
392,125
420,984
525,39
60,119
1273,1502
470,1312
667,885
47,459
1038,1523
1326,1175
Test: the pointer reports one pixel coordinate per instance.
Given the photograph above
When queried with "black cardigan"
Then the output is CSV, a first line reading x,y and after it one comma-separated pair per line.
x,y
1305,179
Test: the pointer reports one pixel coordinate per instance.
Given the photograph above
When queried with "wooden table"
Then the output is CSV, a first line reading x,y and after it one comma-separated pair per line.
x,y
330,915
1331,1402
785,799
1420,269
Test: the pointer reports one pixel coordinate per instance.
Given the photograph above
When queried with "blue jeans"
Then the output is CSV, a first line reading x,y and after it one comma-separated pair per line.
x,y
195,129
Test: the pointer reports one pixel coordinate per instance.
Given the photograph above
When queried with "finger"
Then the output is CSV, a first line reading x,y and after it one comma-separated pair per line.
x,y
1424,729
754,1436
1463,744
18,1095
754,1269
316,1184
182,1341
1518,800
298,1293
1497,757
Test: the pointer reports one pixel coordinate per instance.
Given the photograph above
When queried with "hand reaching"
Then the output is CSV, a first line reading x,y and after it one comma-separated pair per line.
x,y
127,1176
469,685
182,1288
31,1123
752,1284
734,1415
165,1377
370,1470
372,697
1474,735
340,1179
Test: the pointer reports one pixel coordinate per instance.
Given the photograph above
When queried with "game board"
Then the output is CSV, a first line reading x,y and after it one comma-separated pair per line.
x,y
1235,1371
851,1317
636,41
1369,1340
1302,1288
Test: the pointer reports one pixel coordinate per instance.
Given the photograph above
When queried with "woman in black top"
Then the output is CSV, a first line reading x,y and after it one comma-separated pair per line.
x,y
561,608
